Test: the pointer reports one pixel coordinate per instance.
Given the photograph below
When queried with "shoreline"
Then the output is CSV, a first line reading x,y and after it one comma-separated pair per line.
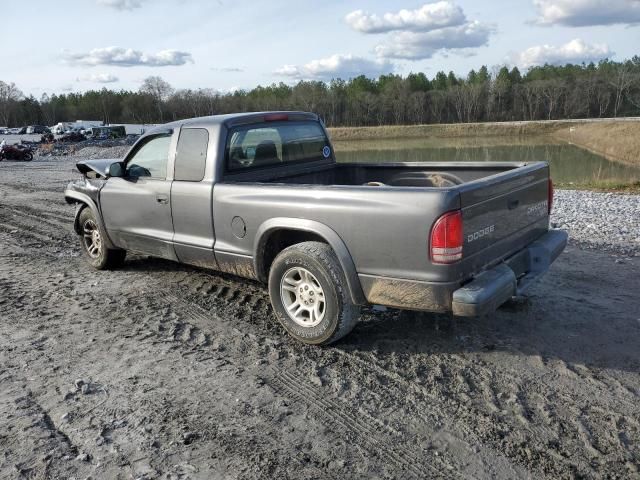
x,y
617,140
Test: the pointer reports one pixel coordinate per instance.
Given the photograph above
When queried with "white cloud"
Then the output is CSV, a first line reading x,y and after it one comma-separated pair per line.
x,y
416,46
288,71
120,4
576,51
336,66
128,57
429,17
579,13
419,34
99,78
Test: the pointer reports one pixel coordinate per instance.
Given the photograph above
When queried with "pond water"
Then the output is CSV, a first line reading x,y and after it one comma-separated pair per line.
x,y
568,163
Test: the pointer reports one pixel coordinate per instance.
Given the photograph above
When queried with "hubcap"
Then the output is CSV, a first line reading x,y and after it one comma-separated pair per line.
x,y
302,297
91,238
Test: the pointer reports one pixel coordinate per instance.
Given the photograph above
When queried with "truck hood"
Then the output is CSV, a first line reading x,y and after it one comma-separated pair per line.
x,y
100,167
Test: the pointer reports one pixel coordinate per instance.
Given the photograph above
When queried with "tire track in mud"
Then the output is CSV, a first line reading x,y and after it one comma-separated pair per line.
x,y
21,187
51,219
447,402
176,330
359,428
445,406
46,443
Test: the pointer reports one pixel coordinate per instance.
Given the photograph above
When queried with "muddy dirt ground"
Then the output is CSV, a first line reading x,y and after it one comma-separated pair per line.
x,y
163,371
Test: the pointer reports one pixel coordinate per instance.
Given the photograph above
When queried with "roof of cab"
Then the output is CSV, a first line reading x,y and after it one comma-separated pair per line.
x,y
232,119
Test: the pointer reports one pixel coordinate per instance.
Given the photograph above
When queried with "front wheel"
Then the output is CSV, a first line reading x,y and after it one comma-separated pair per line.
x,y
309,294
28,156
92,244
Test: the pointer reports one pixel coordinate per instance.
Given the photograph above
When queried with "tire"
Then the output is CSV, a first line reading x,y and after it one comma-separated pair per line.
x,y
92,246
315,324
28,157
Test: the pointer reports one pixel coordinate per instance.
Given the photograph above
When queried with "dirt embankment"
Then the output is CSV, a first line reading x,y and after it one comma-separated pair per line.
x,y
617,141
495,129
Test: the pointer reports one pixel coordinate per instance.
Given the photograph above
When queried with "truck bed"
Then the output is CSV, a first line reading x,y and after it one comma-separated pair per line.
x,y
416,174
386,227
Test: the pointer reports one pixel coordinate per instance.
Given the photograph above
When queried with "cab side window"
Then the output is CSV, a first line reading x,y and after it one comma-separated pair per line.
x,y
191,157
151,159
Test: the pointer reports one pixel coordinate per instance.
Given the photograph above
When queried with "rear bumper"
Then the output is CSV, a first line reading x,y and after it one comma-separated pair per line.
x,y
493,287
486,292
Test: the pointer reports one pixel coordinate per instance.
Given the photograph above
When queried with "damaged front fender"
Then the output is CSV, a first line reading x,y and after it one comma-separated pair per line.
x,y
85,193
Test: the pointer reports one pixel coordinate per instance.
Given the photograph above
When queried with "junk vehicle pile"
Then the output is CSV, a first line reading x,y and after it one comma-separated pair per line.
x,y
67,138
71,143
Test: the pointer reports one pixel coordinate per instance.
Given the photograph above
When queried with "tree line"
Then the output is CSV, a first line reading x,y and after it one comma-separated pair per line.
x,y
605,89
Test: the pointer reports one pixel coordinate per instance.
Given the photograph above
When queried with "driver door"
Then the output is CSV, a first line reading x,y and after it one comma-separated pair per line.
x,y
136,208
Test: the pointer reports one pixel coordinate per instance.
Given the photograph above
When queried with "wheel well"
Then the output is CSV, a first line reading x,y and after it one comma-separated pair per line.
x,y
278,241
80,207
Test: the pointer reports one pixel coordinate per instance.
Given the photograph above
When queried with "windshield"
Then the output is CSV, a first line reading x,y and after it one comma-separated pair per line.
x,y
255,146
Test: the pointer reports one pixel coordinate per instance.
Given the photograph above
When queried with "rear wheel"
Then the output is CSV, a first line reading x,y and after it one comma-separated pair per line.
x,y
92,244
28,156
309,294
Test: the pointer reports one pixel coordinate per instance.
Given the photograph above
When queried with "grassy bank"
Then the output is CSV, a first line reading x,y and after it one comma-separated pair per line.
x,y
617,141
450,130
602,186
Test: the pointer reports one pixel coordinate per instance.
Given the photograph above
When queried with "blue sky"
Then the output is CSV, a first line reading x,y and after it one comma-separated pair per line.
x,y
225,45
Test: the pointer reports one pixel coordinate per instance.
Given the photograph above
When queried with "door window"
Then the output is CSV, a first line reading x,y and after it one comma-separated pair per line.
x,y
191,157
151,159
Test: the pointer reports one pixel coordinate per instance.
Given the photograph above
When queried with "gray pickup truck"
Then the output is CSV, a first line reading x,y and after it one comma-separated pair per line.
x,y
260,195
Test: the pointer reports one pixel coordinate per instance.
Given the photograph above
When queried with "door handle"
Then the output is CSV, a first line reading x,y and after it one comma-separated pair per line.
x,y
162,199
513,204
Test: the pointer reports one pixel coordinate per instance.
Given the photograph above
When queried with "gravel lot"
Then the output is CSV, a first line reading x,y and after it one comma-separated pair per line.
x,y
605,221
163,371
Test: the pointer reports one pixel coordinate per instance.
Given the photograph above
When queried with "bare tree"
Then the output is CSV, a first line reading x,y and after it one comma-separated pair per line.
x,y
634,91
437,105
530,93
602,98
621,81
9,95
552,91
157,88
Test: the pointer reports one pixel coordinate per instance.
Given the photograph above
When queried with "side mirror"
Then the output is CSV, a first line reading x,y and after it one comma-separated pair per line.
x,y
116,169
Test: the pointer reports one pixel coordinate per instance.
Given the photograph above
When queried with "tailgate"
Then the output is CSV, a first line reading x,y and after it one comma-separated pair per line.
x,y
503,213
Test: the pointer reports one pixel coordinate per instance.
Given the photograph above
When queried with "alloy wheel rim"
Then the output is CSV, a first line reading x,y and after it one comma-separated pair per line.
x,y
303,297
91,238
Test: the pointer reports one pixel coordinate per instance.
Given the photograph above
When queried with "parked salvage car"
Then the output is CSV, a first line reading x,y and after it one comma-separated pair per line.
x,y
261,196
72,137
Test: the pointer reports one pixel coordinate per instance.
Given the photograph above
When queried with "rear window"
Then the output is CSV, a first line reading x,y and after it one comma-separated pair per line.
x,y
191,156
255,146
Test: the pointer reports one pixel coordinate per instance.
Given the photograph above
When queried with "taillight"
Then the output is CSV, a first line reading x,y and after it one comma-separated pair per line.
x,y
446,238
550,197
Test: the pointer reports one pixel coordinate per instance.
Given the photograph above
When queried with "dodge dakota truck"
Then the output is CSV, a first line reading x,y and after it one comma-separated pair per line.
x,y
260,195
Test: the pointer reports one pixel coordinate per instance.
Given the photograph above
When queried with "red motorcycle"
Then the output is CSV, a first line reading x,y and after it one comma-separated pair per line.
x,y
16,152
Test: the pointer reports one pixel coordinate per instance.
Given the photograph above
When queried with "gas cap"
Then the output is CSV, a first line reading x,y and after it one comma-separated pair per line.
x,y
238,227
